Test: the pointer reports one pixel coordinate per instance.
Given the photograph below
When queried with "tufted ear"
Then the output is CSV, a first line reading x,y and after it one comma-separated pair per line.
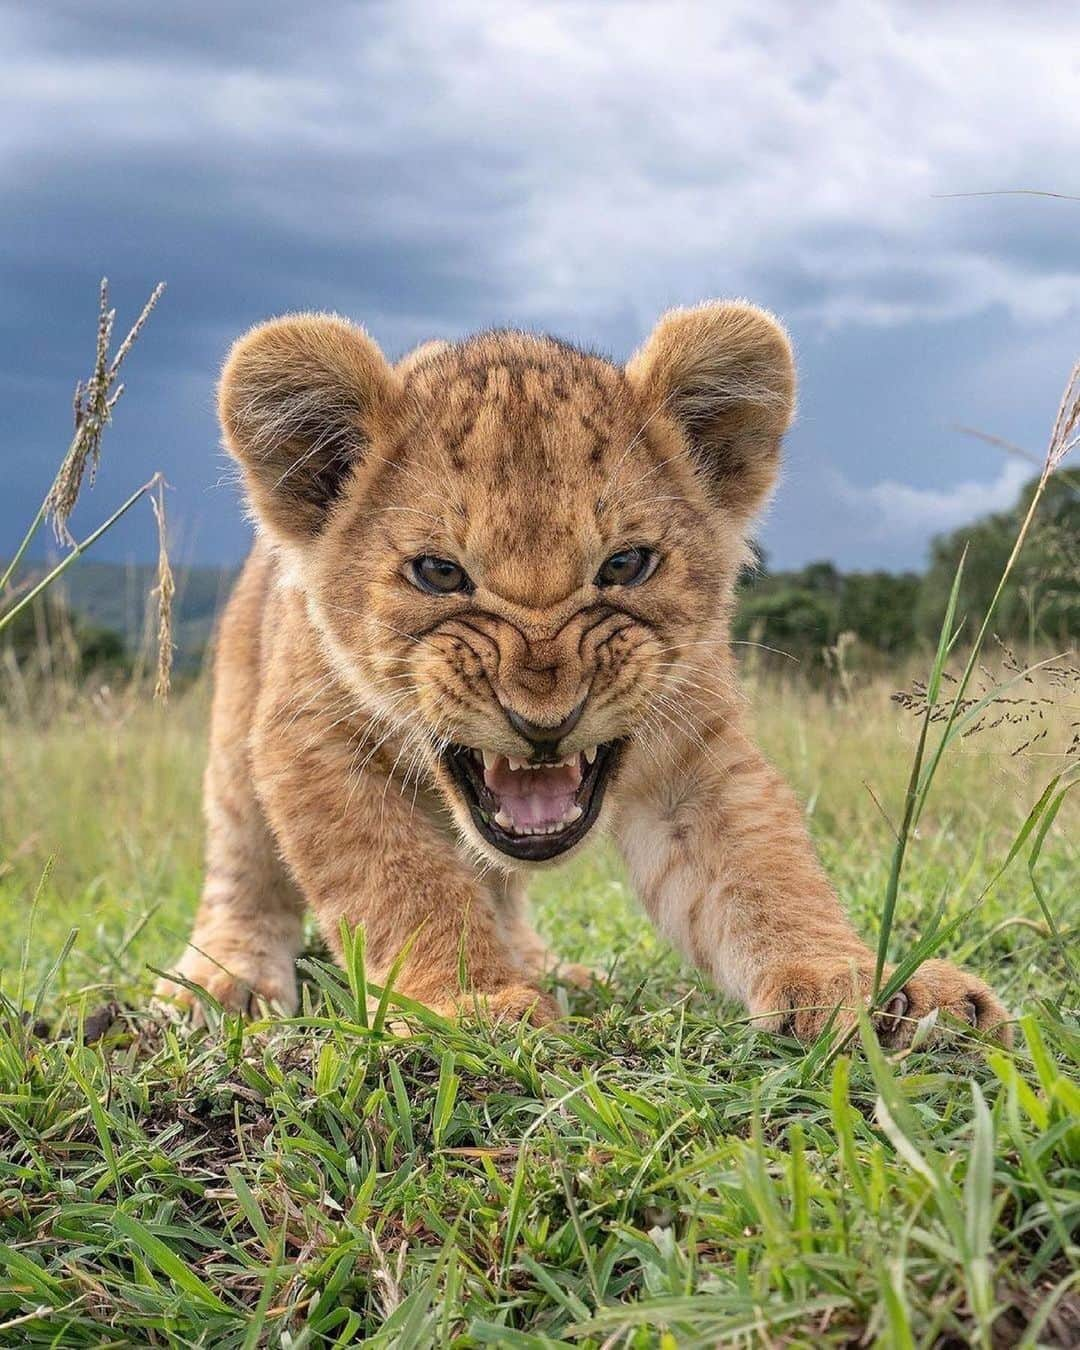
x,y
300,399
726,374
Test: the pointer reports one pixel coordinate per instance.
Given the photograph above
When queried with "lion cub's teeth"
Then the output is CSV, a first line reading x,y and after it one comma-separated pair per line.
x,y
502,819
516,765
575,813
590,754
490,758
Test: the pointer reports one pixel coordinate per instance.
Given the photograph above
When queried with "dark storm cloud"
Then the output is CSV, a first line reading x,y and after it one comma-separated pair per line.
x,y
198,33
429,170
224,272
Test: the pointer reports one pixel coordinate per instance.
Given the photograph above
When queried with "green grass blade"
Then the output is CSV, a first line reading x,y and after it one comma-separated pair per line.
x,y
162,1257
916,788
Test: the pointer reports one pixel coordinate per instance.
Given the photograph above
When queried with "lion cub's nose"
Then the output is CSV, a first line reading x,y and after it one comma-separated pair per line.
x,y
544,738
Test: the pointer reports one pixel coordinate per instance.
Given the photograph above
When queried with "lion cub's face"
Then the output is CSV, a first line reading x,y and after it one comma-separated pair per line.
x,y
509,546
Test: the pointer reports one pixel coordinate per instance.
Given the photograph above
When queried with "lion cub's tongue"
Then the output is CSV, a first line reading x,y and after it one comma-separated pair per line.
x,y
533,801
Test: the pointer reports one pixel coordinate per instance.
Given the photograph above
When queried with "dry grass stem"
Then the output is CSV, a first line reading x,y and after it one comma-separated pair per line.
x,y
92,408
1032,697
165,592
1023,708
1066,433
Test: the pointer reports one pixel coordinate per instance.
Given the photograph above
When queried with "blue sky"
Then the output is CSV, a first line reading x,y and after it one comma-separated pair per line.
x,y
575,167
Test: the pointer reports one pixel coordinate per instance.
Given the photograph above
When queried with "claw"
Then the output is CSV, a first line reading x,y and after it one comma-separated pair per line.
x,y
893,1011
898,1005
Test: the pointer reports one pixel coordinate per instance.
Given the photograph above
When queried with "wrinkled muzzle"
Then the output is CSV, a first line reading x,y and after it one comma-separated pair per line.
x,y
534,741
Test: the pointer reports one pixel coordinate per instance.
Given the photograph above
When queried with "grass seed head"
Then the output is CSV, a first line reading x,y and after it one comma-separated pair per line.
x,y
165,592
92,407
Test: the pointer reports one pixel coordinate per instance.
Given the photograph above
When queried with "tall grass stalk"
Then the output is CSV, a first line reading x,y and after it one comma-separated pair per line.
x,y
166,592
9,615
92,406
1063,438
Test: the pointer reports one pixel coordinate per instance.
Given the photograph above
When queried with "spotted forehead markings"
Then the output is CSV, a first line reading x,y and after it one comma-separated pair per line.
x,y
541,371
520,379
537,431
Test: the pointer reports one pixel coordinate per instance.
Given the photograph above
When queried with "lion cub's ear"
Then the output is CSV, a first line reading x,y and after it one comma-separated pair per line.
x,y
726,374
300,400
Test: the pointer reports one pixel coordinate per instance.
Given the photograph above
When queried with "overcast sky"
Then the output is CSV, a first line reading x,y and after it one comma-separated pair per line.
x,y
430,169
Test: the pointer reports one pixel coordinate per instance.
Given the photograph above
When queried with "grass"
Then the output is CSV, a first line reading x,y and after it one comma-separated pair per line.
x,y
652,1172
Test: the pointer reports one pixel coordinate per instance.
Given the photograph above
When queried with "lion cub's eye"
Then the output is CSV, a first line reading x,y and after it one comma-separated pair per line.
x,y
628,567
439,576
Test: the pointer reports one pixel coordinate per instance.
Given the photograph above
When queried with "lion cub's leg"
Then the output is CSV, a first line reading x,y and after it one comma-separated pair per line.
x,y
365,852
723,863
248,929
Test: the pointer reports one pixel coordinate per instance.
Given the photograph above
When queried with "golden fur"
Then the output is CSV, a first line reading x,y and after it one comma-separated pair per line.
x,y
340,683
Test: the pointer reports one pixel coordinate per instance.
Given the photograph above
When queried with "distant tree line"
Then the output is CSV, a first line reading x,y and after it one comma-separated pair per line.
x,y
49,637
804,613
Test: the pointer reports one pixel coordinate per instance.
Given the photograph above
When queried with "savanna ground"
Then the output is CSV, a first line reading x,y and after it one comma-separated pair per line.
x,y
652,1171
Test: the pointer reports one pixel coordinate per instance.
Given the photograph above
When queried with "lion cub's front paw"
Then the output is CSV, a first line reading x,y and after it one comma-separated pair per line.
x,y
240,981
800,997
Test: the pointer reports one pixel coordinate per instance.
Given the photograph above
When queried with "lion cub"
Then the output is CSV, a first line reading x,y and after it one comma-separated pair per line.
x,y
487,619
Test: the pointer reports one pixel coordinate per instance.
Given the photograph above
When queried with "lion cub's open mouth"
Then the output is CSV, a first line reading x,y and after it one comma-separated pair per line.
x,y
532,811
